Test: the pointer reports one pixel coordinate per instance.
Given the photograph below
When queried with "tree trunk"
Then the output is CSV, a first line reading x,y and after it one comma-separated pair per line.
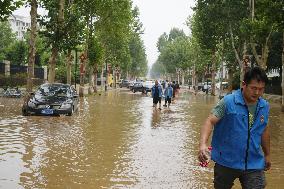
x,y
194,79
282,106
102,78
51,65
82,74
91,80
95,78
240,62
242,65
234,47
182,78
61,12
68,67
213,73
32,48
54,53
114,77
230,74
262,59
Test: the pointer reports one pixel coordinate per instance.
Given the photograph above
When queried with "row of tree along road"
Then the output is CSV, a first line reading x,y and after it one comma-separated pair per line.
x,y
226,37
104,37
98,37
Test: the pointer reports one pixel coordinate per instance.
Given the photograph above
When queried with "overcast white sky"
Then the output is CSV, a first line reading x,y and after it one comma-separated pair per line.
x,y
157,16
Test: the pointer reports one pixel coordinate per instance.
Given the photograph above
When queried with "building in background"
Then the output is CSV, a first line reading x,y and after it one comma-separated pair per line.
x,y
19,25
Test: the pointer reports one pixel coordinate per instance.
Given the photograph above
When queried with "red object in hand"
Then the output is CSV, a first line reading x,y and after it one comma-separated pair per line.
x,y
205,164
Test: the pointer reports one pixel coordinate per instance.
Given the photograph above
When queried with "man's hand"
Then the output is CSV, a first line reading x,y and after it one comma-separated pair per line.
x,y
267,163
206,129
265,144
204,153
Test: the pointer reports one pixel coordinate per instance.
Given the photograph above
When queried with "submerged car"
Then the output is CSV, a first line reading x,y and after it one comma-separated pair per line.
x,y
138,87
124,83
52,99
148,86
12,92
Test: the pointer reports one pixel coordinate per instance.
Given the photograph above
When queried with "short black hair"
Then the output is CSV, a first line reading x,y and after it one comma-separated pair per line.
x,y
255,73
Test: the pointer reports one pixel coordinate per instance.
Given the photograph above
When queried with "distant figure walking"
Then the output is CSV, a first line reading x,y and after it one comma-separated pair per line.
x,y
157,94
168,95
174,89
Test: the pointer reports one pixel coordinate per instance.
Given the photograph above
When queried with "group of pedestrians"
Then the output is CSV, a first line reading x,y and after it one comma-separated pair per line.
x,y
167,90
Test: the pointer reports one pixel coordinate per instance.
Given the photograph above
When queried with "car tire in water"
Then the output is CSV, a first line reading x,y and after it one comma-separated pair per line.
x,y
25,112
71,112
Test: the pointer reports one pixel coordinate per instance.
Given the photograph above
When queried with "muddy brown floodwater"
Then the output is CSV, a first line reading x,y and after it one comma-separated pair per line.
x,y
116,140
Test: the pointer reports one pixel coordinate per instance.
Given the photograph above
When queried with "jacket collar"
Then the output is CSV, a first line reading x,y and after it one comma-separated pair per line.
x,y
239,99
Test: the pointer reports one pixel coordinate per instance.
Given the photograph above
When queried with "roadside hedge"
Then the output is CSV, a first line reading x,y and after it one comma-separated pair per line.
x,y
17,80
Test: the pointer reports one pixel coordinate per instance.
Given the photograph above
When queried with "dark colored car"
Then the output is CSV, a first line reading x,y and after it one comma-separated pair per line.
x,y
52,99
138,87
124,83
148,86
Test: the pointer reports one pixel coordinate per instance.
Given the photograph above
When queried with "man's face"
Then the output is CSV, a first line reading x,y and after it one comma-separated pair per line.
x,y
253,90
156,82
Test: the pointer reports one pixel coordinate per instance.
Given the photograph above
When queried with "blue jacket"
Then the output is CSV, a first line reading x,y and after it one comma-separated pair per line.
x,y
234,145
168,92
160,91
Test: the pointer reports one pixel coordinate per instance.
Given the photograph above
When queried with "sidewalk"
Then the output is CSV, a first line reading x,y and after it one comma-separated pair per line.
x,y
269,97
100,88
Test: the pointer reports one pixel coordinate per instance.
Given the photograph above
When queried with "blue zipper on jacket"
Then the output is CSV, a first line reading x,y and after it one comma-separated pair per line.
x,y
246,158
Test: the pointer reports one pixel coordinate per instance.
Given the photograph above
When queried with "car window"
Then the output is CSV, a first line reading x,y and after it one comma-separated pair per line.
x,y
54,90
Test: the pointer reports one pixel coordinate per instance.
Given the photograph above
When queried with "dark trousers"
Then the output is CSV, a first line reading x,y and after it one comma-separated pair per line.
x,y
224,178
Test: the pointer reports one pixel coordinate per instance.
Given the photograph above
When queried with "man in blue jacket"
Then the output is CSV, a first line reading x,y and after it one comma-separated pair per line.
x,y
241,138
168,95
157,94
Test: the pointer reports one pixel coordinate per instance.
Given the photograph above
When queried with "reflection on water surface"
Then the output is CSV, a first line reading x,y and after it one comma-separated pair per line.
x,y
116,140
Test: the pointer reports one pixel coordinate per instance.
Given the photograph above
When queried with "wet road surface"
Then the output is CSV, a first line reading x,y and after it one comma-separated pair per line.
x,y
115,140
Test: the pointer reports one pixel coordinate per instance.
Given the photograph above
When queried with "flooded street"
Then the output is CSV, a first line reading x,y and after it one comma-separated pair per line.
x,y
116,140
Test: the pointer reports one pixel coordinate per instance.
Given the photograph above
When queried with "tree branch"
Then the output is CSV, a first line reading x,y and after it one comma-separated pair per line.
x,y
234,47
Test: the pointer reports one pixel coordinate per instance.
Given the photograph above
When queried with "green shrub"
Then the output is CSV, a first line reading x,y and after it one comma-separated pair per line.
x,y
17,80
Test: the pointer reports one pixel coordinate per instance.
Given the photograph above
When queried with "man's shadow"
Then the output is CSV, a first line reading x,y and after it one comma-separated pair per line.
x,y
156,118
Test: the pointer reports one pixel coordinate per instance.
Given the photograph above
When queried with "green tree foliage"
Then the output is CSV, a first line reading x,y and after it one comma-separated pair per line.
x,y
157,70
73,27
215,21
53,31
42,49
174,50
7,38
200,57
162,42
52,28
176,33
114,25
138,65
17,53
138,57
96,52
7,7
